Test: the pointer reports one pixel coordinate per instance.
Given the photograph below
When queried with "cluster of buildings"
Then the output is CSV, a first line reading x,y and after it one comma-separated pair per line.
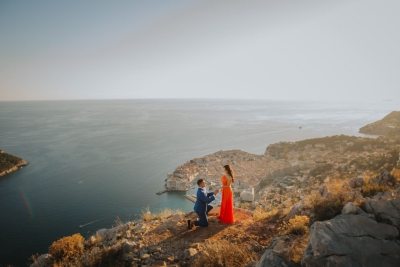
x,y
273,179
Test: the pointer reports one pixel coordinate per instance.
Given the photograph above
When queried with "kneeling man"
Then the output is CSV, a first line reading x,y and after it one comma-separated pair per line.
x,y
201,206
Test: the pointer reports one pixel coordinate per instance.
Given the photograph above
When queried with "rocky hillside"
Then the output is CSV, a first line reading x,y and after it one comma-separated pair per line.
x,y
390,124
10,163
352,223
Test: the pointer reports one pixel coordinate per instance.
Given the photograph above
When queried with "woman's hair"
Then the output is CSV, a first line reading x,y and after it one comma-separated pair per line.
x,y
228,168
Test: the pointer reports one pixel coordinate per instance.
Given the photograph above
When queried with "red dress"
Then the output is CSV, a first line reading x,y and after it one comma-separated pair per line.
x,y
226,210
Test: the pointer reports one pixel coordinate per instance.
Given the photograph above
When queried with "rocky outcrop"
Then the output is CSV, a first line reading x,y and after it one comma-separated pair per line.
x,y
275,254
390,124
387,211
352,239
384,178
356,182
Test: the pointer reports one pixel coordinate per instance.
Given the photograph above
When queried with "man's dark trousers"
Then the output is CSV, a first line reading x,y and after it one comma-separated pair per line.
x,y
203,220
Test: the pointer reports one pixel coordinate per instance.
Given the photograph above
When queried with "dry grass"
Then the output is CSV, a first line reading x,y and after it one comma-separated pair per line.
x,y
221,254
336,186
297,226
396,174
147,215
107,257
369,190
297,248
67,247
260,213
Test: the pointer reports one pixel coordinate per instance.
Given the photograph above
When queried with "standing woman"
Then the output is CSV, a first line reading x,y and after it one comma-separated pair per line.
x,y
226,210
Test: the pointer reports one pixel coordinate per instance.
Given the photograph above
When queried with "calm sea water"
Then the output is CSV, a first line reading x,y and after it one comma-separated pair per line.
x,y
94,161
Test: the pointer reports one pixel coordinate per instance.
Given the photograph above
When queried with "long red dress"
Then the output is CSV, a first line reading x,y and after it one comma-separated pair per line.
x,y
226,210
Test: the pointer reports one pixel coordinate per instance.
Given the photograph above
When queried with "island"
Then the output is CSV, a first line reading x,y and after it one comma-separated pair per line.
x,y
390,124
10,163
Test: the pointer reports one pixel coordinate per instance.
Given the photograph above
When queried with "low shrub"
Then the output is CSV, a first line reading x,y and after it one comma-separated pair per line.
x,y
329,207
396,174
221,254
67,247
369,190
297,248
297,226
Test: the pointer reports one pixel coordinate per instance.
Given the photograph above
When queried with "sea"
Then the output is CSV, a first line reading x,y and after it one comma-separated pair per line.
x,y
95,162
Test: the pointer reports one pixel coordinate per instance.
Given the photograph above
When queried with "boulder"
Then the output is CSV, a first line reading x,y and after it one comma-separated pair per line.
x,y
43,260
299,209
189,252
274,255
387,211
352,240
351,208
384,178
356,182
176,218
128,246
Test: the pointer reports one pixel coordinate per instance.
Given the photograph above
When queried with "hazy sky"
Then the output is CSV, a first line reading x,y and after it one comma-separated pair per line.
x,y
281,49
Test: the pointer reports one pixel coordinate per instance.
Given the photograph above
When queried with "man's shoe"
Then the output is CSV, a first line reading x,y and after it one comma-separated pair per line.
x,y
189,224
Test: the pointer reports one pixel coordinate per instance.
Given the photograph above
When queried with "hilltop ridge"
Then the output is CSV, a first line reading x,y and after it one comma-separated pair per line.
x,y
390,124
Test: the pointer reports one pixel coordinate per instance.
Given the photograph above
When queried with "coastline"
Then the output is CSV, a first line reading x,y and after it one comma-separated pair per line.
x,y
16,166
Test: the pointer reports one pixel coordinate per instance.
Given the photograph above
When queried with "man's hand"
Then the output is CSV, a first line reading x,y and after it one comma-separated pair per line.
x,y
216,191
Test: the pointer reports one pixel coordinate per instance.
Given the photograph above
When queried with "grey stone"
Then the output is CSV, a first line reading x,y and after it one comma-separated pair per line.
x,y
189,252
385,210
144,256
128,246
273,256
351,208
154,249
298,209
351,240
43,260
176,218
356,182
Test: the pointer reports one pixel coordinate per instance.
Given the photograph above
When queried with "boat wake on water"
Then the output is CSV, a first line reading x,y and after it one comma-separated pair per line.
x,y
83,225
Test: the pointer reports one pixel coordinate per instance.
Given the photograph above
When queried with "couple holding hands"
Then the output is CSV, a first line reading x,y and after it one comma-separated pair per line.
x,y
202,207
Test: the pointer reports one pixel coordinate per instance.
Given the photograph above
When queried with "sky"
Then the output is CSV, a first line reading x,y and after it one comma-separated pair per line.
x,y
228,49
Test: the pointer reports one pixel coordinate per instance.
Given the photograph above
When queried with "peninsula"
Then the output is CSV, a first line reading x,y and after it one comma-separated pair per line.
x,y
390,124
10,163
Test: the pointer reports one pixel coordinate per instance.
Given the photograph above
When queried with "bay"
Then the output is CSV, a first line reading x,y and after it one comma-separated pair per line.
x,y
93,161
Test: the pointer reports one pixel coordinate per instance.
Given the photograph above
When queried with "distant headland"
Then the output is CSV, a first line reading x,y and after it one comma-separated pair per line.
x,y
10,163
390,124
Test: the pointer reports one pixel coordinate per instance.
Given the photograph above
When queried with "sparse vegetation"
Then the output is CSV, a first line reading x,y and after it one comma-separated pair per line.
x,y
221,254
369,190
246,206
297,226
260,213
297,248
329,207
147,215
67,247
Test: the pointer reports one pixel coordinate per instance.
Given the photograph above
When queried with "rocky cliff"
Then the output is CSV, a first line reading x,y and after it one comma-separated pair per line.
x,y
390,124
